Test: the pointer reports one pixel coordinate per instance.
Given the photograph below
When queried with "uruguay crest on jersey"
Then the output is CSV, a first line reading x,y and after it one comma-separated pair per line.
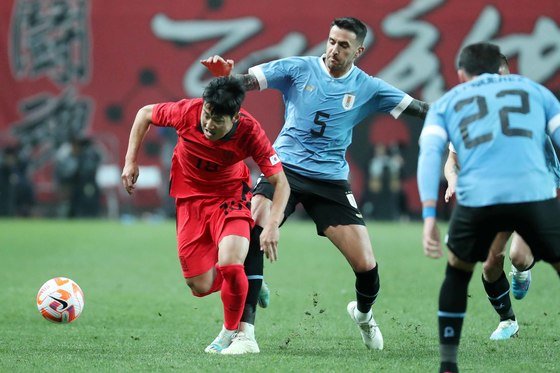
x,y
318,129
348,101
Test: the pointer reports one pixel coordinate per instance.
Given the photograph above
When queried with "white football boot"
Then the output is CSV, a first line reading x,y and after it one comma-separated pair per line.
x,y
222,341
371,335
242,344
506,329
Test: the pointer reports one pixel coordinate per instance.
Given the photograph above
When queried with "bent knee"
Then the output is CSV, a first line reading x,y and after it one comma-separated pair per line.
x,y
521,259
363,262
198,289
491,272
364,265
519,262
493,263
457,263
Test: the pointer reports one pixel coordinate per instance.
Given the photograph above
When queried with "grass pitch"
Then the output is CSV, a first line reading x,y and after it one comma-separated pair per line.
x,y
139,315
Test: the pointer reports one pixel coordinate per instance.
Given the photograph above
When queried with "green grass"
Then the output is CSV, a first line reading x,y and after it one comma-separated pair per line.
x,y
139,315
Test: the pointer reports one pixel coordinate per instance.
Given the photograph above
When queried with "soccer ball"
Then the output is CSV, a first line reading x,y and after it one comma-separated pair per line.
x,y
60,300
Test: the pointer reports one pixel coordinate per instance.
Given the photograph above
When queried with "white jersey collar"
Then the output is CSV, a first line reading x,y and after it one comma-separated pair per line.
x,y
324,67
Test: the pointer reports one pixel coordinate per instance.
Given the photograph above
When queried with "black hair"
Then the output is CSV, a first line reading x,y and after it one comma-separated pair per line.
x,y
352,24
480,58
224,95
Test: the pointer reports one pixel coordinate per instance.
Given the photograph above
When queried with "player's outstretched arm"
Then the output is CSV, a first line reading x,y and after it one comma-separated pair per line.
x,y
218,66
450,172
432,144
138,131
417,108
271,232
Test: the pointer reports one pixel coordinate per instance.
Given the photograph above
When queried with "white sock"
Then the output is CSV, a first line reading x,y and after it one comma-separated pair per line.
x,y
248,329
227,331
520,275
362,317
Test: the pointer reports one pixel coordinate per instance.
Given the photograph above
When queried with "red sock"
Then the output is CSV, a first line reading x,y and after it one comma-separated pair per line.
x,y
234,293
216,285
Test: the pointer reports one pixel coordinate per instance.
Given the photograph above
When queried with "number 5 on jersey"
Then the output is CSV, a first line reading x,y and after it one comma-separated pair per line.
x,y
319,122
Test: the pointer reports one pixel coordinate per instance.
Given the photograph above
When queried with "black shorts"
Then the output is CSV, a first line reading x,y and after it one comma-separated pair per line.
x,y
472,229
328,203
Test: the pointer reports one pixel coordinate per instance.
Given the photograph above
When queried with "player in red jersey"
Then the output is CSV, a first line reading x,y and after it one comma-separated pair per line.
x,y
211,186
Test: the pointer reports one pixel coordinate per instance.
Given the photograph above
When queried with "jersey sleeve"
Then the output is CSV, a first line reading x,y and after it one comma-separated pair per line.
x,y
275,74
434,124
552,110
171,114
263,153
452,148
389,99
432,144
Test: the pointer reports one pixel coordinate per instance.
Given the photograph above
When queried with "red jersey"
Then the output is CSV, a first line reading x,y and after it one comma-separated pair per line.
x,y
201,167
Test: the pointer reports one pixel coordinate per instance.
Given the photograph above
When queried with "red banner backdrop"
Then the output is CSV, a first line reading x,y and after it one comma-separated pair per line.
x,y
74,68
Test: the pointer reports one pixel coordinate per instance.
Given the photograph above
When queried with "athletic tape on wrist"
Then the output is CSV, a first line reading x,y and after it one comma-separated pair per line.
x,y
428,212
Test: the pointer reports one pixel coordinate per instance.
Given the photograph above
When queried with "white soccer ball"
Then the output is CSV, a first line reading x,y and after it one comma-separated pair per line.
x,y
60,300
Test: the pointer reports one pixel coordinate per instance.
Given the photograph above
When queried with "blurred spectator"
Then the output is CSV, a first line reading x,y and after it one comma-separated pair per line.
x,y
169,137
384,198
17,196
76,166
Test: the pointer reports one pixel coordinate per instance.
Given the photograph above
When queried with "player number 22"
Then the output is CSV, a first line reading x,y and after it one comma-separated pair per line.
x,y
504,117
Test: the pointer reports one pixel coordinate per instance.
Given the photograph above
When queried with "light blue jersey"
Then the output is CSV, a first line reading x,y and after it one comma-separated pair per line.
x,y
321,112
498,126
550,156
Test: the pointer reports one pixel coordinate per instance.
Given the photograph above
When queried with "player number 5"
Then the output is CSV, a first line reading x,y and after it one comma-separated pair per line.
x,y
318,121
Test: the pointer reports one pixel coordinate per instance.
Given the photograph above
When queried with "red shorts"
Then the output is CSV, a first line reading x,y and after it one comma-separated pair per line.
x,y
201,224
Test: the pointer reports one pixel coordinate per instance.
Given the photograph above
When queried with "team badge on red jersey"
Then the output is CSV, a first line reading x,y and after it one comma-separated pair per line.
x,y
274,159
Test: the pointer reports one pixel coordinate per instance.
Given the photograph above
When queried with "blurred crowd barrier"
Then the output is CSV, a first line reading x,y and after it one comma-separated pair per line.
x,y
75,73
